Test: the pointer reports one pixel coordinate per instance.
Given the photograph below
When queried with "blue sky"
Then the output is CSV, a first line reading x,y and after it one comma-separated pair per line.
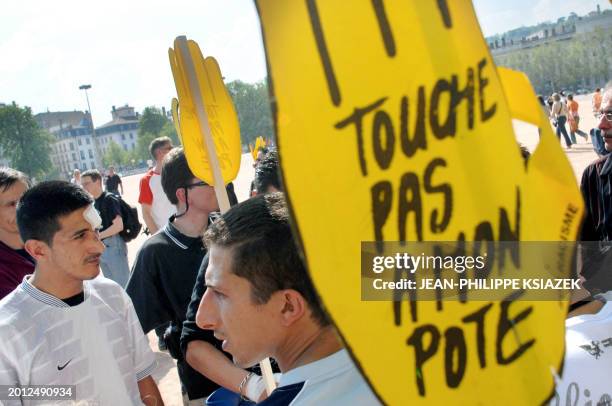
x,y
49,48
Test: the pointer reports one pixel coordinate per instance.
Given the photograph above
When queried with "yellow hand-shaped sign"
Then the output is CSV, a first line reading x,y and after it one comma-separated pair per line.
x,y
405,112
199,80
259,143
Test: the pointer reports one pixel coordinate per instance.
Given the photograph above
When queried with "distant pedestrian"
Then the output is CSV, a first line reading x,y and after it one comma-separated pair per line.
x,y
114,261
559,114
76,177
596,101
545,106
113,181
574,119
156,208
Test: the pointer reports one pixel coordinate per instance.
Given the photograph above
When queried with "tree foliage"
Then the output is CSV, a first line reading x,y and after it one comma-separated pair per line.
x,y
152,124
152,120
115,155
553,66
253,108
23,142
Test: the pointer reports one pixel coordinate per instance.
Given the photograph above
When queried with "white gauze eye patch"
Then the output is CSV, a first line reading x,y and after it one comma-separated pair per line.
x,y
92,217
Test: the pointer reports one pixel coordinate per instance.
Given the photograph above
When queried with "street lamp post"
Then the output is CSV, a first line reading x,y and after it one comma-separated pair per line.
x,y
97,160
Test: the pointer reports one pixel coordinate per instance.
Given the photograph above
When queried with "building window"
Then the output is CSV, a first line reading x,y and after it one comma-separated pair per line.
x,y
87,141
72,148
84,166
74,159
122,137
125,148
82,154
90,154
76,166
79,141
131,136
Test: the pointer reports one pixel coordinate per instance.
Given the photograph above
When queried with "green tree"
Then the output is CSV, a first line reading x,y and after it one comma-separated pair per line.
x,y
152,121
168,130
152,124
253,107
23,142
559,65
142,146
115,155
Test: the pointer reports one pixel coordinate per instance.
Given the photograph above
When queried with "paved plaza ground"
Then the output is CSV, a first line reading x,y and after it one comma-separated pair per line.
x,y
166,375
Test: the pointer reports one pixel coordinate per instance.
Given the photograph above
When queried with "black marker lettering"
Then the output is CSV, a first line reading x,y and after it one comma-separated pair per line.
x,y
485,114
385,29
383,151
419,139
382,195
505,325
410,201
356,118
315,22
455,344
439,225
422,354
443,6
448,128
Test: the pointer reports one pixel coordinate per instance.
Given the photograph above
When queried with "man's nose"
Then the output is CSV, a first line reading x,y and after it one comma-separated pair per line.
x,y
98,245
604,124
206,312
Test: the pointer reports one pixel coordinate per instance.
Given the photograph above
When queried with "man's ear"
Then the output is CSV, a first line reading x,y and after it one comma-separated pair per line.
x,y
294,306
181,195
37,249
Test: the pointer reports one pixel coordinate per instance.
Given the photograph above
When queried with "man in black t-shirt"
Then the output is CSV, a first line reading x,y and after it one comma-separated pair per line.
x,y
167,264
113,181
114,261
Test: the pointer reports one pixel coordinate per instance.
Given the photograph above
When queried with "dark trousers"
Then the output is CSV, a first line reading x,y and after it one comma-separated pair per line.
x,y
561,120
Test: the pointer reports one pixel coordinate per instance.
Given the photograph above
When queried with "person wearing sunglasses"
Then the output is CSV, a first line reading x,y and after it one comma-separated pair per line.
x,y
167,264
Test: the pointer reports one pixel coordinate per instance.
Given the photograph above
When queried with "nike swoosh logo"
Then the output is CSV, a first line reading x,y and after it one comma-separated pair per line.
x,y
64,366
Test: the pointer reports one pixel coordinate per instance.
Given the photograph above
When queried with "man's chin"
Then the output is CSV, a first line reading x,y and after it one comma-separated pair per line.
x,y
241,362
94,273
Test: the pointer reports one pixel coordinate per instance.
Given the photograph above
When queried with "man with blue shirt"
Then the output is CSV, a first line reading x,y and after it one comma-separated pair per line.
x,y
261,303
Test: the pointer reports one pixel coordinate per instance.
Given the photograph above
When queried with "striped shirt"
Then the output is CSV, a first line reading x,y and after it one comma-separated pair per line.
x,y
98,345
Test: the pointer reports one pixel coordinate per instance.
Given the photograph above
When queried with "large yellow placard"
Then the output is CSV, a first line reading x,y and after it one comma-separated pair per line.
x,y
393,124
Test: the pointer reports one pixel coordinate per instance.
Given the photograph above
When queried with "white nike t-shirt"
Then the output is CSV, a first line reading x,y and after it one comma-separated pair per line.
x,y
97,345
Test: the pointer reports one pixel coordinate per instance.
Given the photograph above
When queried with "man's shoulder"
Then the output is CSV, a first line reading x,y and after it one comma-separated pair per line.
x,y
596,165
156,242
147,176
333,379
14,309
107,291
153,248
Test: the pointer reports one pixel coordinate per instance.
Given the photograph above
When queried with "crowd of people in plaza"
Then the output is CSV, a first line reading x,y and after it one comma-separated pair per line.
x,y
222,291
562,109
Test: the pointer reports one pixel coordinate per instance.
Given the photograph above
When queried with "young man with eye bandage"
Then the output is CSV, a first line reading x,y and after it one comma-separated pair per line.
x,y
63,325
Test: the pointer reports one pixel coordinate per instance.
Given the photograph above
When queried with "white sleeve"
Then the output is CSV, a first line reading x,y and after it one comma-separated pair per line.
x,y
8,374
142,355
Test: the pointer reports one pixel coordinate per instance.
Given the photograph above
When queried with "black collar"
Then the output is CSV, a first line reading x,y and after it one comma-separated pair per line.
x,y
180,239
